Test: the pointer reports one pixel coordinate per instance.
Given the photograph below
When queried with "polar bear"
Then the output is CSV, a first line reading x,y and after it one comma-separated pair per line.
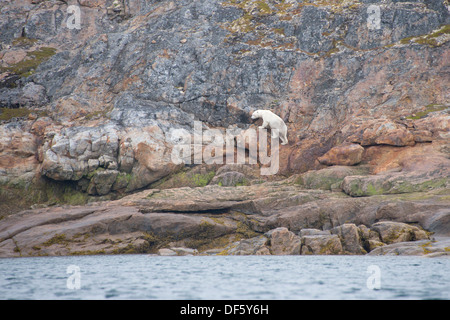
x,y
273,121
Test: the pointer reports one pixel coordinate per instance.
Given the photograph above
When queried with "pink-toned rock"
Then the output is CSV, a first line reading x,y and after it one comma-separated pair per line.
x,y
92,3
422,135
382,132
284,242
13,57
346,155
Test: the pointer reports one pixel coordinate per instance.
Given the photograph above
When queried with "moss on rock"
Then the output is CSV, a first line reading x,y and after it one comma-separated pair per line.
x,y
27,66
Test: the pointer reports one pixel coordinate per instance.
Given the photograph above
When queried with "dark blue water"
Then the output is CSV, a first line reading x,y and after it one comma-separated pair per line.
x,y
224,277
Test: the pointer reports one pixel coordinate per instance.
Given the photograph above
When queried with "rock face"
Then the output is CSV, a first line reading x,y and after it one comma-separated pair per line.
x,y
346,155
271,218
284,242
93,103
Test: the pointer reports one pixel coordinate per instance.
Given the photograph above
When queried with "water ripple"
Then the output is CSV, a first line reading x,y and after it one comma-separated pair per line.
x,y
242,277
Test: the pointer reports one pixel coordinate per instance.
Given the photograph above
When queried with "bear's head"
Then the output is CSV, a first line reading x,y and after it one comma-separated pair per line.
x,y
256,115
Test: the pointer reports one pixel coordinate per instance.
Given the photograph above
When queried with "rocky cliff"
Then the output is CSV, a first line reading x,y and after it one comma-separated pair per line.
x,y
91,92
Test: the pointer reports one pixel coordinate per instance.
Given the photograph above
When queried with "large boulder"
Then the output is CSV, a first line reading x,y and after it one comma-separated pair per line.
x,y
253,246
345,155
284,242
392,232
329,178
102,156
321,245
350,237
382,132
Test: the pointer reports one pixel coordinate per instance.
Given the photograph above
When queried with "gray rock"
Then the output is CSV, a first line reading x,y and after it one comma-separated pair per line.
x,y
253,246
180,251
392,183
392,232
102,181
113,90
314,232
321,245
229,179
167,252
349,234
73,152
33,95
329,178
428,248
284,242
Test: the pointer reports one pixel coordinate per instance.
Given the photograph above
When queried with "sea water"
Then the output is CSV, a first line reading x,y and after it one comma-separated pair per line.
x,y
224,277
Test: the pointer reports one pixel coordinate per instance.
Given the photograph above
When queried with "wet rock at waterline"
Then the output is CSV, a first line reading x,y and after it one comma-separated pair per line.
x,y
90,115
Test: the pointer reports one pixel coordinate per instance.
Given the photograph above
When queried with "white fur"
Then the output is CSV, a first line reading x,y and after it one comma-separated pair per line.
x,y
272,121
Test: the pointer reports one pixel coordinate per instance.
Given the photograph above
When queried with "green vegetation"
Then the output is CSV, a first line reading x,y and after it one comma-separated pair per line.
x,y
252,22
27,66
431,39
186,178
23,42
8,113
425,248
201,180
56,239
87,253
21,194
428,109
373,190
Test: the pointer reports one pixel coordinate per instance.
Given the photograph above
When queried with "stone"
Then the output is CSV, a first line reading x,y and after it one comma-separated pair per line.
x,y
13,57
422,135
253,246
373,244
393,183
167,252
321,245
108,97
284,242
349,235
382,132
33,95
368,234
229,179
211,217
393,232
329,178
180,251
426,248
346,155
313,232
102,181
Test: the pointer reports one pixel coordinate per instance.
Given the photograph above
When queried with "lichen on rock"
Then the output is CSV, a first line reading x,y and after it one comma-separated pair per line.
x,y
89,115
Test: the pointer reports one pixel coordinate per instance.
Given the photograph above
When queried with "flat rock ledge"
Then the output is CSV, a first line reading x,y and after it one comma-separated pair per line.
x,y
271,218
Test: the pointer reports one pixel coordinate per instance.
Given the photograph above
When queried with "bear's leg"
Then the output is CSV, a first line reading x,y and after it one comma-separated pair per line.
x,y
264,125
275,134
284,139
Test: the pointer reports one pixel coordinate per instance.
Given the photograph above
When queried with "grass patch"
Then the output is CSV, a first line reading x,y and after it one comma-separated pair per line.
x,y
57,239
197,177
8,113
428,109
23,42
431,39
27,66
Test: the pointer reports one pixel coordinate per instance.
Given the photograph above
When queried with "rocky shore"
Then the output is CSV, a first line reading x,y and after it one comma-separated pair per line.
x,y
89,115
279,217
